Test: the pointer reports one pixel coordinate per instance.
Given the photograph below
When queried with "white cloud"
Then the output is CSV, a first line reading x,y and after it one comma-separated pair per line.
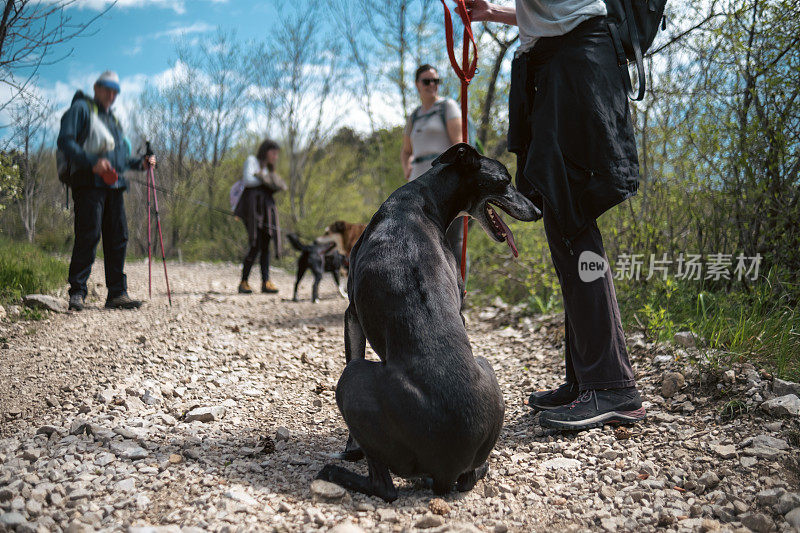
x,y
178,6
98,5
197,27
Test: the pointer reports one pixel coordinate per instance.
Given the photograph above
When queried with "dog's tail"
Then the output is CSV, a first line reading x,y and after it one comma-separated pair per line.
x,y
296,244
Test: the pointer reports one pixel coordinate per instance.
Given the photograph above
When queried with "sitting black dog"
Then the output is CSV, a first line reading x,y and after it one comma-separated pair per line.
x,y
429,407
320,258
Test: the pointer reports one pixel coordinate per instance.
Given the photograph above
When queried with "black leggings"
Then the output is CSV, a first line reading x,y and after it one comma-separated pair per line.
x,y
261,245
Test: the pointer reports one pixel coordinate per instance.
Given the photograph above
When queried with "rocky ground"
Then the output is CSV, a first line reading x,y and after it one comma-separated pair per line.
x,y
215,414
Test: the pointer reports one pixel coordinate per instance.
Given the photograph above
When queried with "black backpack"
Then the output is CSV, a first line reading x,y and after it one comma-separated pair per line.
x,y
633,25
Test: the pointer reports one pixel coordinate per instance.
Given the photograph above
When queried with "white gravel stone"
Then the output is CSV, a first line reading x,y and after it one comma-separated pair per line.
x,y
787,405
561,463
793,518
205,414
783,388
128,450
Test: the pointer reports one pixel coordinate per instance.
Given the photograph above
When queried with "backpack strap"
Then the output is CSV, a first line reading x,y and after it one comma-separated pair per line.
x,y
637,47
442,111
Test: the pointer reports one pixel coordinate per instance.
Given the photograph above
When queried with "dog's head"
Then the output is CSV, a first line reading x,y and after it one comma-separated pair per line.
x,y
340,226
486,185
334,234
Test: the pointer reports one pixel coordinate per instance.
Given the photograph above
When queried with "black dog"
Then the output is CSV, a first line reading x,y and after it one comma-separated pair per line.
x,y
429,407
320,258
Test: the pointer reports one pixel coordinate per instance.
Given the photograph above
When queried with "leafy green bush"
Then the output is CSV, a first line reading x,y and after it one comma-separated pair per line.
x,y
26,269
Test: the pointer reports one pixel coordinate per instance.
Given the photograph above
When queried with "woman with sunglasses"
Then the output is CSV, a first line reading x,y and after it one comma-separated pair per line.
x,y
432,128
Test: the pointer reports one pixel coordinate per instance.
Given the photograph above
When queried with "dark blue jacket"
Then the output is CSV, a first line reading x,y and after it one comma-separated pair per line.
x,y
73,133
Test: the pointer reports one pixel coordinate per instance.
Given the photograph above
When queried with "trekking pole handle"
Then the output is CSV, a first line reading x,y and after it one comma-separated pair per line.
x,y
148,149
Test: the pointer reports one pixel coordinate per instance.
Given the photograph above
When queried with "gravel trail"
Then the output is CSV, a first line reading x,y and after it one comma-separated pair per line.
x,y
216,413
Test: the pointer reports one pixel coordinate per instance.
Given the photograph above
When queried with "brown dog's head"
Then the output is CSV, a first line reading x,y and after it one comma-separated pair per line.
x,y
340,226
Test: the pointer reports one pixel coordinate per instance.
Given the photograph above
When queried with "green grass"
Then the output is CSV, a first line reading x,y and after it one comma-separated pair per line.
x,y
759,324
26,269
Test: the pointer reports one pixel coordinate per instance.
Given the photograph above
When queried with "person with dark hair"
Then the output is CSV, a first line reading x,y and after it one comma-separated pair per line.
x,y
570,127
257,210
432,128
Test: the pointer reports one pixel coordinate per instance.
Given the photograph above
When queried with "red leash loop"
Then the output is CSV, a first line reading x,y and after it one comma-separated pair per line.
x,y
465,72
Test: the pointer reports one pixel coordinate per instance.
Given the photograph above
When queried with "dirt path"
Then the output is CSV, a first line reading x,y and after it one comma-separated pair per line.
x,y
93,433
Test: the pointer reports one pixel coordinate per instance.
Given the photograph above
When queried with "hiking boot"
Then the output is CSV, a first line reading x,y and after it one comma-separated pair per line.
x,y
76,302
593,408
269,287
545,400
123,301
244,288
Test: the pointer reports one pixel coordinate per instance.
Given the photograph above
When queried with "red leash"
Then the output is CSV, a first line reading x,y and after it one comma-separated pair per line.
x,y
465,72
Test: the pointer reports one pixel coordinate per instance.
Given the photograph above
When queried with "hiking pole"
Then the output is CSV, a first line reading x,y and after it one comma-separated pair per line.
x,y
151,181
149,240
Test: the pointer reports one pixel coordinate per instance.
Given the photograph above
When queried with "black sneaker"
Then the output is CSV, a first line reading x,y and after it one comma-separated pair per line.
x,y
545,400
593,408
123,301
76,302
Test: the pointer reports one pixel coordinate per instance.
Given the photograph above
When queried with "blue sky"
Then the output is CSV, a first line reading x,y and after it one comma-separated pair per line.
x,y
136,37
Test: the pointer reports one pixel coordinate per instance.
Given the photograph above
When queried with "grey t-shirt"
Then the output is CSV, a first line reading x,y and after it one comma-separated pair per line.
x,y
548,18
429,136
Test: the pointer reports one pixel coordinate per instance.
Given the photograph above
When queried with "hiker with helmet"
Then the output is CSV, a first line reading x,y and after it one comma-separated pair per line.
x,y
256,208
432,128
93,157
571,129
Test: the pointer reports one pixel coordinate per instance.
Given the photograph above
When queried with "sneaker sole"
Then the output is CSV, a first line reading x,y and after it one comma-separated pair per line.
x,y
612,417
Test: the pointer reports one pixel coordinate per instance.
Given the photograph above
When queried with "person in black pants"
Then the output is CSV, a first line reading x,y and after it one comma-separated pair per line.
x,y
94,146
570,127
256,208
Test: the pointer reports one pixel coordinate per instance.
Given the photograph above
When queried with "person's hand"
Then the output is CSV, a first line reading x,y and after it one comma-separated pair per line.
x,y
149,161
408,172
478,10
102,166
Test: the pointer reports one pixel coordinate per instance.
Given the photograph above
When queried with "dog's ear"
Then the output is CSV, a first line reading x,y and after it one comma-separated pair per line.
x,y
462,155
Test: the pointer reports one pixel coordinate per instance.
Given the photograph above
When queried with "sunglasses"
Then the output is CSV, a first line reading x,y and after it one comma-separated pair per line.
x,y
428,81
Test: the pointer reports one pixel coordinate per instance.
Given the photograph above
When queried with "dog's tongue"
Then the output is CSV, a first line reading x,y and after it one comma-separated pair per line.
x,y
509,236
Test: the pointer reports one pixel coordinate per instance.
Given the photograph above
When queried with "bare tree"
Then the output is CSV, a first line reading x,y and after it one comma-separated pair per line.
x,y
503,38
221,103
310,68
30,118
30,33
406,36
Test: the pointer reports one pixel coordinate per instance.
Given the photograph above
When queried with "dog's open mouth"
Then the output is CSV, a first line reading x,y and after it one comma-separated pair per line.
x,y
501,230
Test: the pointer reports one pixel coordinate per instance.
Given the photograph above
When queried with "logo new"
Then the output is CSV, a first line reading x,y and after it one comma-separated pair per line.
x,y
591,266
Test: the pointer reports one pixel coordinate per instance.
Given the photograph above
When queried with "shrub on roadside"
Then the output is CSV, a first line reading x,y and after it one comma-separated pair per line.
x,y
26,269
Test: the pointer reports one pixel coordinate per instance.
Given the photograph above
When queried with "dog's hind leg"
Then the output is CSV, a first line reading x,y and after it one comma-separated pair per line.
x,y
355,342
315,288
339,285
379,482
467,480
355,347
301,270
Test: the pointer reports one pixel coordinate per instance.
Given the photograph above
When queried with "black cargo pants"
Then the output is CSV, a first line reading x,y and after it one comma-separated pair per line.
x,y
595,352
99,212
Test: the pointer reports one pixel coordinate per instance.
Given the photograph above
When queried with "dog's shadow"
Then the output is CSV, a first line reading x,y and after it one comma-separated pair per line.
x,y
284,468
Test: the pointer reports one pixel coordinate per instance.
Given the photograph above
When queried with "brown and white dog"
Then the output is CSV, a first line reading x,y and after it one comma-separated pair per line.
x,y
344,234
